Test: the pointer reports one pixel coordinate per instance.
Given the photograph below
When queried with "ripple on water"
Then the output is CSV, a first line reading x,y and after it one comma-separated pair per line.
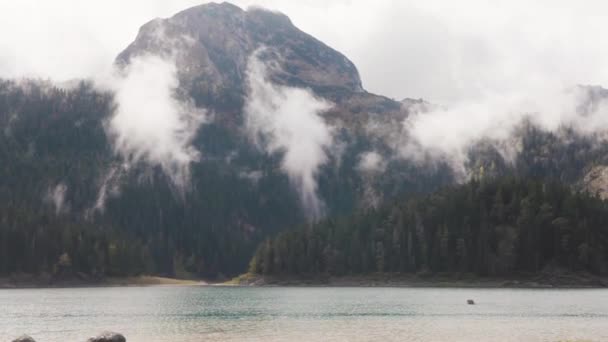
x,y
161,314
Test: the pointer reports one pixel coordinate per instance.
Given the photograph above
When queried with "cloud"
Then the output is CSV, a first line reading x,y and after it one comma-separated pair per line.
x,y
287,120
150,123
253,176
68,39
56,196
446,52
109,187
448,133
371,162
451,52
371,165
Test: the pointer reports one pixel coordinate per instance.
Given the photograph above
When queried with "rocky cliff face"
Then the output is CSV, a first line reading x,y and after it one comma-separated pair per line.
x,y
595,181
212,43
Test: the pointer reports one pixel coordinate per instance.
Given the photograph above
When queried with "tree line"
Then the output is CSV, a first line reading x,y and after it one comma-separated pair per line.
x,y
494,227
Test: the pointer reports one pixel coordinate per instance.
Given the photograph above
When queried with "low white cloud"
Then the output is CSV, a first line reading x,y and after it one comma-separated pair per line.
x,y
109,186
448,133
371,166
371,163
287,120
439,50
150,123
253,176
56,197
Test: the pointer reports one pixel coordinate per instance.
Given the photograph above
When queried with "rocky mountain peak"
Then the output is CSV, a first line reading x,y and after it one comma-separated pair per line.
x,y
211,44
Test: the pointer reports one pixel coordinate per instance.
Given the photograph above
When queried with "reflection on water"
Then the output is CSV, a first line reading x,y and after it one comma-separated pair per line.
x,y
189,314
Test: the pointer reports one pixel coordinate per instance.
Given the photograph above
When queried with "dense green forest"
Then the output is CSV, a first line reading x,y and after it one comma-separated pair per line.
x,y
53,143
489,228
55,156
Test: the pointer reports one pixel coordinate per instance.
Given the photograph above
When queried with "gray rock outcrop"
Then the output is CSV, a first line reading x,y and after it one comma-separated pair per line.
x,y
211,44
108,336
596,181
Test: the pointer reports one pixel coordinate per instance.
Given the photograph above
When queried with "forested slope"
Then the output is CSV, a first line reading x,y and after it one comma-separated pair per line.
x,y
500,227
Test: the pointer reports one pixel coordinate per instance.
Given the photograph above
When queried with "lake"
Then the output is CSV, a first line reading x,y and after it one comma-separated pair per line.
x,y
189,314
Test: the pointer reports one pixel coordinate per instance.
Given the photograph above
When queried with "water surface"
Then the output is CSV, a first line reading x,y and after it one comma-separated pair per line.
x,y
189,314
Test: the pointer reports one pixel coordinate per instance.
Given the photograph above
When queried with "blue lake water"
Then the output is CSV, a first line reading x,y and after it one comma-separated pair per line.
x,y
197,314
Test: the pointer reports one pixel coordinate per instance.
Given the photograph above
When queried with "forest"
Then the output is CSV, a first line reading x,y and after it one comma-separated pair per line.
x,y
56,157
498,227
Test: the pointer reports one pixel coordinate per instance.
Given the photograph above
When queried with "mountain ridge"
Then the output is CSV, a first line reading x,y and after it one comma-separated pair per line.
x,y
212,43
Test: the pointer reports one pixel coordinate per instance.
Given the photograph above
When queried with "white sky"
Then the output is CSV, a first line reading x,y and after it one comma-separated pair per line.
x,y
444,51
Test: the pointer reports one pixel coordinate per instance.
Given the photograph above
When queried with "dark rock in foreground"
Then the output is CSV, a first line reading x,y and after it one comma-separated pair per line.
x,y
108,336
24,338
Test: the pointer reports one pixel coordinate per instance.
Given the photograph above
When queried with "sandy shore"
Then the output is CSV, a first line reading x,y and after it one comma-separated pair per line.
x,y
30,281
151,281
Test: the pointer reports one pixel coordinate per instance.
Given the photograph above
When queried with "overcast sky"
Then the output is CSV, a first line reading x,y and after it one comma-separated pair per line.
x,y
444,51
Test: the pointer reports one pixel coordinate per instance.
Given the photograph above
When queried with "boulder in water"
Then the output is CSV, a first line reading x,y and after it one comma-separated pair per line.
x,y
108,336
24,338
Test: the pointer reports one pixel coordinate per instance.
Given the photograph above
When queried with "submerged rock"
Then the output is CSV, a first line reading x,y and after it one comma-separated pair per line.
x,y
108,336
24,338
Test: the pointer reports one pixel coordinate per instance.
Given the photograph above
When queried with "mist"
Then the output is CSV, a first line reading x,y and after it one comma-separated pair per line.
x,y
287,120
448,133
151,124
371,162
56,197
441,51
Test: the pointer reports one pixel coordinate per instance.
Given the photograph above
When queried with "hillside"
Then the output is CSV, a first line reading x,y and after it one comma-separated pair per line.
x,y
504,227
68,191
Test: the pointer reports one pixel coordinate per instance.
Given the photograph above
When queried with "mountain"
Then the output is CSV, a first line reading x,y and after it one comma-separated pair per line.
x,y
213,42
73,204
69,192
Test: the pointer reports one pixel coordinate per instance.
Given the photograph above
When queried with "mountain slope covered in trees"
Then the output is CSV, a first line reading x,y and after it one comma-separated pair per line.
x,y
70,204
66,192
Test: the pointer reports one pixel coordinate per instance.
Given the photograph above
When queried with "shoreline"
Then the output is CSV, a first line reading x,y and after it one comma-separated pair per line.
x,y
41,282
542,281
574,281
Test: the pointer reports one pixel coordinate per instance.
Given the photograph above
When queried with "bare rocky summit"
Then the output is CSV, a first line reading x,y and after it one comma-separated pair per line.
x,y
212,44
